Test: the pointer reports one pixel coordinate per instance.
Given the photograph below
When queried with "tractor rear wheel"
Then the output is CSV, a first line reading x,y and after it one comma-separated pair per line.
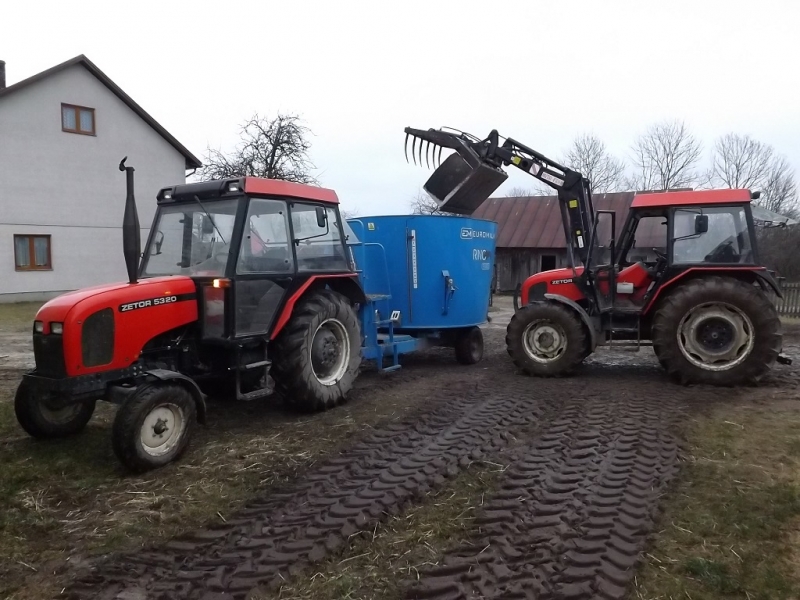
x,y
546,339
718,331
469,345
153,427
317,356
45,420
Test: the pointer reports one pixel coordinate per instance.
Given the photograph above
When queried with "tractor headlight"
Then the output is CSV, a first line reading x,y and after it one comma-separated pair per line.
x,y
56,328
38,326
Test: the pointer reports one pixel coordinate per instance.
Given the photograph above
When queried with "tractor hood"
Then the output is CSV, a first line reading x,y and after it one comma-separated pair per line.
x,y
113,295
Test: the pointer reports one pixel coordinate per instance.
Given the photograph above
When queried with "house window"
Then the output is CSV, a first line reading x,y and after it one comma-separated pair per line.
x,y
77,119
32,253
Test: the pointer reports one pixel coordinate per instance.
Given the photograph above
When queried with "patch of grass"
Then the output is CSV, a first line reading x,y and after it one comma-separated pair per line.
x,y
376,563
730,525
18,317
67,501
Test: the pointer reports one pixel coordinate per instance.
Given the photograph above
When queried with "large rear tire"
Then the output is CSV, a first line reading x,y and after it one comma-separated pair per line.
x,y
44,420
546,339
718,331
153,427
317,356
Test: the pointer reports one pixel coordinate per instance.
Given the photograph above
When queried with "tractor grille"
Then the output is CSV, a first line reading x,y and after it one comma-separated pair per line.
x,y
48,350
97,338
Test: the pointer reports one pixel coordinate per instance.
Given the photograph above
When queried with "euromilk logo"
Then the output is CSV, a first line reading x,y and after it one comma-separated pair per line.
x,y
467,233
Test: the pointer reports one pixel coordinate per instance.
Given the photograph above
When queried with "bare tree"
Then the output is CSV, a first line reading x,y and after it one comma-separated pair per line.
x,y
588,156
521,192
423,204
779,193
272,148
739,161
665,157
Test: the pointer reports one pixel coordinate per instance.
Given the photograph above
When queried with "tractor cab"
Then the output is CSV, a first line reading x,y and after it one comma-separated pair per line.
x,y
666,235
247,243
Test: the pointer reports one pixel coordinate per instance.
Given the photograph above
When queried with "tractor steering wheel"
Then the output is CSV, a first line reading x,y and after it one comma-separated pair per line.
x,y
659,254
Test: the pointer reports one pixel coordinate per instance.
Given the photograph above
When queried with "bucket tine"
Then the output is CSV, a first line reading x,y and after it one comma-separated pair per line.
x,y
440,154
414,149
420,153
428,155
405,147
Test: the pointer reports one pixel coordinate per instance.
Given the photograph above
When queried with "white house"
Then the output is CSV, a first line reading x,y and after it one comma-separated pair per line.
x,y
63,133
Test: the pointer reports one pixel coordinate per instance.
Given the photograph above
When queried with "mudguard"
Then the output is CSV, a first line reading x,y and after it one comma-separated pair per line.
x,y
581,313
188,383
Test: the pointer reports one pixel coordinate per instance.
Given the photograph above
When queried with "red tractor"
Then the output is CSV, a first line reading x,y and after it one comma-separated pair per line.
x,y
683,275
243,281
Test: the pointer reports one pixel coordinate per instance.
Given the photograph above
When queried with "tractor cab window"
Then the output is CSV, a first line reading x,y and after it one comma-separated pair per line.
x,y
190,239
711,235
265,243
649,242
317,238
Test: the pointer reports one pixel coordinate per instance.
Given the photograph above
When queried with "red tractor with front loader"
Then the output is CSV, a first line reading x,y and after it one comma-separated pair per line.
x,y
683,275
243,282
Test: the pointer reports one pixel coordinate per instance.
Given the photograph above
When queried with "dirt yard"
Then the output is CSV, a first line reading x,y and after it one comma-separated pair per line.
x,y
437,481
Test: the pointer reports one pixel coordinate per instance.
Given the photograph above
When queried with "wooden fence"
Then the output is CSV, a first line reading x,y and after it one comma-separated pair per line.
x,y
789,305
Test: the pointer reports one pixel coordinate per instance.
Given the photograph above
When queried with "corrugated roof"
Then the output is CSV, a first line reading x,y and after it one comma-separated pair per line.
x,y
535,221
192,162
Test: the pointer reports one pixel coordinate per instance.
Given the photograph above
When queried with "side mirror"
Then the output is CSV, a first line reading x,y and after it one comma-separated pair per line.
x,y
159,241
700,224
322,217
208,226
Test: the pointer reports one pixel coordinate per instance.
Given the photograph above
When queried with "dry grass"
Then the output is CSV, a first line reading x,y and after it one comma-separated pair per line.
x,y
376,564
732,521
64,501
18,317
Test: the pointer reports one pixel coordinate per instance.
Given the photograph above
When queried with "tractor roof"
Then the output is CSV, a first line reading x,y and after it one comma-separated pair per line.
x,y
256,186
683,198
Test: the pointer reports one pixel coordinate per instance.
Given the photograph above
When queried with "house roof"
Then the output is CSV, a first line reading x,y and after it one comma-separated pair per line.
x,y
535,221
192,162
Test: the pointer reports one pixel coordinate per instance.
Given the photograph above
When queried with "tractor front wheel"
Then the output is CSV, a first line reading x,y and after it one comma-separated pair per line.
x,y
44,419
546,339
317,356
718,331
153,426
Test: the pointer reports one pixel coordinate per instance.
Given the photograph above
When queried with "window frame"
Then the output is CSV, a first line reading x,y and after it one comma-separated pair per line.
x,y
32,252
705,209
303,202
77,108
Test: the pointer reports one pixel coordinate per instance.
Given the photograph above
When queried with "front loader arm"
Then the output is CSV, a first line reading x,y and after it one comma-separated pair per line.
x,y
468,177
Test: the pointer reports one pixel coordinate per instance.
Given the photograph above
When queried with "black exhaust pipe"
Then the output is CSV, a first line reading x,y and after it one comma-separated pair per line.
x,y
131,235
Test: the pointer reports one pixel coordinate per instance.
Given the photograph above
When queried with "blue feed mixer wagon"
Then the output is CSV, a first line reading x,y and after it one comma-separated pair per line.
x,y
427,279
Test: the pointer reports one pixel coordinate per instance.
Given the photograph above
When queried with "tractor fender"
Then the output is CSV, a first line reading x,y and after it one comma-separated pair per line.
x,y
187,382
581,313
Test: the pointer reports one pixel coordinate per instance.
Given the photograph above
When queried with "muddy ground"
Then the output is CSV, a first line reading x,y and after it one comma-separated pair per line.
x,y
580,465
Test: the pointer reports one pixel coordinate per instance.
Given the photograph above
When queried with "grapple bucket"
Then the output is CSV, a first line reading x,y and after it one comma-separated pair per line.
x,y
461,186
464,180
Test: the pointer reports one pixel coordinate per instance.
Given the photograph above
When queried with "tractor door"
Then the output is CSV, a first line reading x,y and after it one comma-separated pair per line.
x,y
643,257
265,267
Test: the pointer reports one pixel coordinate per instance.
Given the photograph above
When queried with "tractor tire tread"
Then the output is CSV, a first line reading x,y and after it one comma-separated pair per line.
x,y
126,430
747,297
294,379
36,425
577,339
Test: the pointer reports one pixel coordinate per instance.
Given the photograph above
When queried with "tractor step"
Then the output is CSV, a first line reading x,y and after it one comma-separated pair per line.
x,y
254,395
255,365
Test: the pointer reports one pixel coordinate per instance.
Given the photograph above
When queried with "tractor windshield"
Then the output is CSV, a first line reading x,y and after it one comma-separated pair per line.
x,y
727,239
191,239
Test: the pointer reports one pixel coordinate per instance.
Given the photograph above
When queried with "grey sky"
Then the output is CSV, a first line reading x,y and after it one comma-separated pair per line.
x,y
358,72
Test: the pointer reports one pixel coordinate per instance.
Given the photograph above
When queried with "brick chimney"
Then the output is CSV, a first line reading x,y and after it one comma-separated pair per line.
x,y
2,74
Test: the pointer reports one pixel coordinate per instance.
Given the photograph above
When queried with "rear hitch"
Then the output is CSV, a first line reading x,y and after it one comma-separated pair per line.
x,y
784,360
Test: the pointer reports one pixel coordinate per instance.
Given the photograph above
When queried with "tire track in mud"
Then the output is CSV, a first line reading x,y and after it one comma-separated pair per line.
x,y
270,539
588,458
574,509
